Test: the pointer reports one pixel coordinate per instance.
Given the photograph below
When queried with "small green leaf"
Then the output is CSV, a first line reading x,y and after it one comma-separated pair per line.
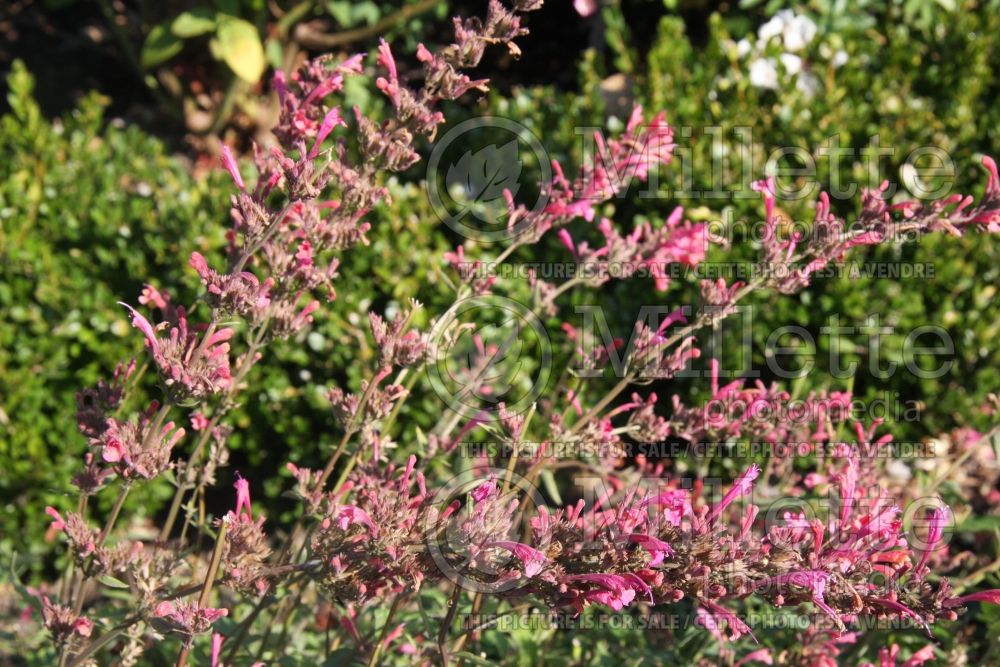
x,y
275,54
198,21
161,45
239,46
472,658
112,582
978,524
551,488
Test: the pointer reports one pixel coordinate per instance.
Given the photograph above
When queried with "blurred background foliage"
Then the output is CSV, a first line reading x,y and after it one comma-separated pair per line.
x,y
101,192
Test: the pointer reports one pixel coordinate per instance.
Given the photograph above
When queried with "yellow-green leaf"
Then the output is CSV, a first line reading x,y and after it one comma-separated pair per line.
x,y
198,21
239,47
160,46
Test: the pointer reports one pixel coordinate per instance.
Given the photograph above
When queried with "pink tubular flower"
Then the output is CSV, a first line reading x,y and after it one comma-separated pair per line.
x,y
935,529
217,641
613,590
349,514
766,188
199,422
655,547
532,559
229,162
741,487
330,121
158,299
761,655
390,87
484,490
813,580
243,509
385,59
992,596
57,520
847,482
143,325
713,614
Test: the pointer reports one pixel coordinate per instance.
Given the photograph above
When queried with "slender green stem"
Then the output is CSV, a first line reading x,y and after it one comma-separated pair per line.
x,y
206,589
445,628
377,649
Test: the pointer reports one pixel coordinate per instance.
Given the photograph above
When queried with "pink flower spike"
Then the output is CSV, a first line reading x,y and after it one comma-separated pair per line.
x,y
848,482
229,162
903,610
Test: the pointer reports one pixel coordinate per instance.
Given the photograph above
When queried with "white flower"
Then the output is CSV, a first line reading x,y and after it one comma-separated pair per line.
x,y
839,58
764,74
775,26
798,32
807,83
791,62
743,47
898,471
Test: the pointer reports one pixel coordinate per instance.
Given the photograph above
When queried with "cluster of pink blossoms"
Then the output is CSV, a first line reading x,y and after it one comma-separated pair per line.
x,y
383,530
